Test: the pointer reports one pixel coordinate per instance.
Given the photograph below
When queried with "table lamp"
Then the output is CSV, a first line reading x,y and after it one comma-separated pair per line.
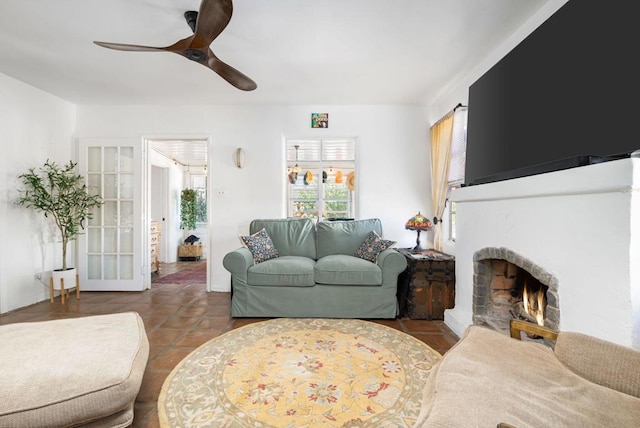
x,y
419,223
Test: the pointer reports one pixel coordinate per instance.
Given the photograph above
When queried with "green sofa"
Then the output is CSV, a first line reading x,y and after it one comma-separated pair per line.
x,y
316,273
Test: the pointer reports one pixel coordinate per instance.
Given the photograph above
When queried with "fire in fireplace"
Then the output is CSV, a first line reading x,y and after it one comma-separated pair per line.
x,y
507,286
534,302
530,298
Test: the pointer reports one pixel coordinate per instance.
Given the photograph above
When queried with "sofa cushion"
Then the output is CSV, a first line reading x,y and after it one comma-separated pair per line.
x,y
521,383
72,372
372,246
291,236
283,271
260,245
344,237
340,269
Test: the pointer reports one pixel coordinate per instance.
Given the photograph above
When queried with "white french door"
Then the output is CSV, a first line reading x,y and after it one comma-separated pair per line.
x,y
110,251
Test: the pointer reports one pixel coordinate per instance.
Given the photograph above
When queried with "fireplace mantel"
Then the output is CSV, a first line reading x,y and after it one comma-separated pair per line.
x,y
581,224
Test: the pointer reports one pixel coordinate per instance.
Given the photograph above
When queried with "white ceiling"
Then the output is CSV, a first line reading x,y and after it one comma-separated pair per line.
x,y
297,51
187,153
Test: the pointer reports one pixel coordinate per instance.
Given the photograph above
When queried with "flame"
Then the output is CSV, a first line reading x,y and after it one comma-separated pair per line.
x,y
533,305
540,312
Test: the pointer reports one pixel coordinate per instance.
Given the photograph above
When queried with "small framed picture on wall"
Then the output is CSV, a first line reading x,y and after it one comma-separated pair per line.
x,y
319,120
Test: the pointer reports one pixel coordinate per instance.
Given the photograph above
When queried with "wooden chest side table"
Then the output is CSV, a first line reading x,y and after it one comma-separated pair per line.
x,y
427,287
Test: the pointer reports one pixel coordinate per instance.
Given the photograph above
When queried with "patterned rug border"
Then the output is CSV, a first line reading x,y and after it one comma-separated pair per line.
x,y
416,377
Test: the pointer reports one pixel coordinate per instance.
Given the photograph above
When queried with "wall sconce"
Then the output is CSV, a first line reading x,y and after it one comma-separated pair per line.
x,y
239,157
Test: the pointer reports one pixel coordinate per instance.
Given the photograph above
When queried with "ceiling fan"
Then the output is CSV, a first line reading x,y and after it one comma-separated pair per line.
x,y
206,24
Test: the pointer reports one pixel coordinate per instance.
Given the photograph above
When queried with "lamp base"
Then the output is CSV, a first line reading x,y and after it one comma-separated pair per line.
x,y
418,247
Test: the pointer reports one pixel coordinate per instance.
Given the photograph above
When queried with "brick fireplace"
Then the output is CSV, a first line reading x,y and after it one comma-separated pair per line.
x,y
507,285
577,231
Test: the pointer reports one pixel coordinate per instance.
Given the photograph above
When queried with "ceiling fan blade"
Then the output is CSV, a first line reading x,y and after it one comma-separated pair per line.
x,y
126,47
213,17
230,74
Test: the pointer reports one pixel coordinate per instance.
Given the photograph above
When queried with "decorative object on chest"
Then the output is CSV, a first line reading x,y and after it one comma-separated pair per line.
x,y
427,287
155,246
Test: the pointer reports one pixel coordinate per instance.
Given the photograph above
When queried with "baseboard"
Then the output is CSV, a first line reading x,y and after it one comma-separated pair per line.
x,y
457,320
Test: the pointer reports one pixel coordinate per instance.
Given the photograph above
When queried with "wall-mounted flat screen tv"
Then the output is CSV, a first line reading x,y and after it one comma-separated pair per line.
x,y
566,96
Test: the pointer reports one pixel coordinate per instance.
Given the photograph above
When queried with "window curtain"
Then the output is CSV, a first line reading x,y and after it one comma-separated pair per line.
x,y
441,137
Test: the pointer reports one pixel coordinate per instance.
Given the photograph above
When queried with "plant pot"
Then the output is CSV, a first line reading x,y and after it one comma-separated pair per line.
x,y
67,278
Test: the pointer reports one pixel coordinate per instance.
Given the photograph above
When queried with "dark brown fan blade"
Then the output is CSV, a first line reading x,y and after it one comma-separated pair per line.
x,y
126,47
213,17
230,74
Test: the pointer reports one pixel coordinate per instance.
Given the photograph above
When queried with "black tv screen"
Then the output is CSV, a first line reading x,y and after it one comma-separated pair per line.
x,y
567,94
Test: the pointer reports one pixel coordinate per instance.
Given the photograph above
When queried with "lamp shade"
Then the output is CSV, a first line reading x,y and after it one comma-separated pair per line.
x,y
418,222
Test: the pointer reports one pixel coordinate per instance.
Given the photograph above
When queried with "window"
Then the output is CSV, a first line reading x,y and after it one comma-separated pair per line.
x,y
457,163
199,184
321,178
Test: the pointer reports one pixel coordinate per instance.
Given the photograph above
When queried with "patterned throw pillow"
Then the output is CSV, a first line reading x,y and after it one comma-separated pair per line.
x,y
260,245
372,246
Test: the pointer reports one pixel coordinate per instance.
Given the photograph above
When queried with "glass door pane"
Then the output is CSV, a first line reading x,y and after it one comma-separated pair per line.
x,y
111,246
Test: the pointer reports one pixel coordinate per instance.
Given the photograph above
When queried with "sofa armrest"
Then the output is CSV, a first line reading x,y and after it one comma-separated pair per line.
x,y
238,262
599,361
392,261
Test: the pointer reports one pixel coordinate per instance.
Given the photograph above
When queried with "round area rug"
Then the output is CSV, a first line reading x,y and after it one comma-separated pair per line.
x,y
300,372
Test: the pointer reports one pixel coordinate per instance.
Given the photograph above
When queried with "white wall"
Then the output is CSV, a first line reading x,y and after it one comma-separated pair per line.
x,y
577,224
156,188
171,235
393,159
34,126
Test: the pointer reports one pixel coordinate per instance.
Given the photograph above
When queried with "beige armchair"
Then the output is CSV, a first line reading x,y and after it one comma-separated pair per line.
x,y
489,379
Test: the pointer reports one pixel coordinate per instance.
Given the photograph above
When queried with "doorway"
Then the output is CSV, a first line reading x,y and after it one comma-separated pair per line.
x,y
174,164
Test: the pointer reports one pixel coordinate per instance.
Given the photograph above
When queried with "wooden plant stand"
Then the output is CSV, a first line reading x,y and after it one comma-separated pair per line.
x,y
65,292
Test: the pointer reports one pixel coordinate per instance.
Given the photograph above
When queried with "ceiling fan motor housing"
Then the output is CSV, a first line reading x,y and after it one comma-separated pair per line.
x,y
192,17
195,55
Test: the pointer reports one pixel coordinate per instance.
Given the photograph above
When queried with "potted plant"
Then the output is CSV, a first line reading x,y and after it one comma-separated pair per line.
x,y
188,219
188,209
61,194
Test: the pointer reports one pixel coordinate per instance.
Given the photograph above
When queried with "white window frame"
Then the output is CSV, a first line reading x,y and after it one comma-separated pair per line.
x,y
334,156
199,184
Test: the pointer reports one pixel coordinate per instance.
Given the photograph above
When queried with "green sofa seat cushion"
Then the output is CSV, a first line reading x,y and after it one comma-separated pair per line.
x,y
283,271
341,269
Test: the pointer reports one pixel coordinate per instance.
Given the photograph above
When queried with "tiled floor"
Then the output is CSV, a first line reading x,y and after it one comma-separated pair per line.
x,y
178,318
